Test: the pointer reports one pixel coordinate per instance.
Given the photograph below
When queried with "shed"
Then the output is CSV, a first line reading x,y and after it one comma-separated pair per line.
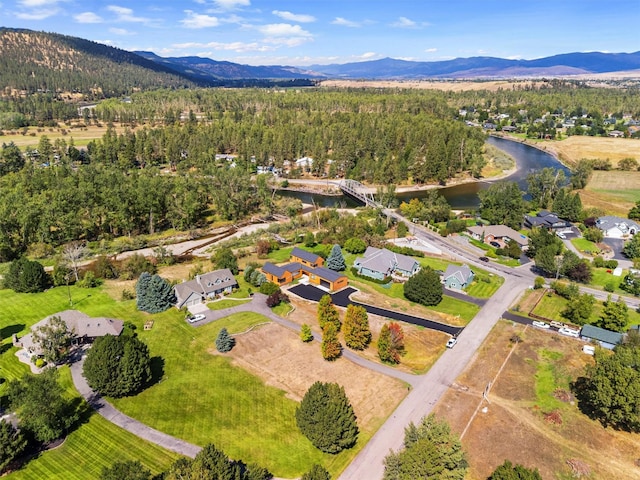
x,y
604,338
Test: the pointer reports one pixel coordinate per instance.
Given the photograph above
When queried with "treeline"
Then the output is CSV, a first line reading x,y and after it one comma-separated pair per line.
x,y
60,204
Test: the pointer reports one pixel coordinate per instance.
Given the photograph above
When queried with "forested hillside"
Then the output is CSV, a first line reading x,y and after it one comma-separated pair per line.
x,y
47,62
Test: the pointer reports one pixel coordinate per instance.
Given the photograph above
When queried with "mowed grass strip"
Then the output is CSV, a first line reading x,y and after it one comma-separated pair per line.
x,y
203,398
96,443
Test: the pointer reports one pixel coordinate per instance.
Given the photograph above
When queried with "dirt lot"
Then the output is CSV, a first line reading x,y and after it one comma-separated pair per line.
x,y
277,355
576,147
526,423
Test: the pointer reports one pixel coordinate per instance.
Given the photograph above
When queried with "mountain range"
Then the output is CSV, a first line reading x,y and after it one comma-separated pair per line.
x,y
36,61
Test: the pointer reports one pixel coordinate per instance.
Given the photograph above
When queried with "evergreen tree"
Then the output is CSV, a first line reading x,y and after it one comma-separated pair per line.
x,y
224,258
328,313
508,471
430,451
335,260
154,294
25,276
317,472
325,416
385,351
424,287
615,315
12,444
357,334
330,347
224,341
305,333
117,366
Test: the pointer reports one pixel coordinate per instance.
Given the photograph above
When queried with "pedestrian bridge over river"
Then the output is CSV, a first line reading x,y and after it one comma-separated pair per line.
x,y
359,192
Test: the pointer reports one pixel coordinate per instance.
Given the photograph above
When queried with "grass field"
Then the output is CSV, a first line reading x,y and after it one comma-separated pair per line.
x,y
576,147
96,444
585,246
614,191
81,135
225,303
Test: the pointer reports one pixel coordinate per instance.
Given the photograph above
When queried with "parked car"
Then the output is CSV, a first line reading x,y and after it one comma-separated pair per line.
x,y
539,324
484,259
561,235
451,342
197,318
494,244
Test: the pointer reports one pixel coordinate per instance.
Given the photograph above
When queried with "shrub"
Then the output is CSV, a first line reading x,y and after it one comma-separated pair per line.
x,y
269,288
305,333
384,281
25,276
224,341
89,280
612,264
402,230
610,286
355,245
276,299
538,283
598,262
135,265
404,250
127,295
424,287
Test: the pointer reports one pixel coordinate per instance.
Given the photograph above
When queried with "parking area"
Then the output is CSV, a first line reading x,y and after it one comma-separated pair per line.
x,y
616,244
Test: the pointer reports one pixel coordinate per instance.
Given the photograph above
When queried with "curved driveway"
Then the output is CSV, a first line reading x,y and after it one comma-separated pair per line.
x,y
341,298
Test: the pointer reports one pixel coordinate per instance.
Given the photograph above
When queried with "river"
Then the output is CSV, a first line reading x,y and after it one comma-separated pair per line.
x,y
463,196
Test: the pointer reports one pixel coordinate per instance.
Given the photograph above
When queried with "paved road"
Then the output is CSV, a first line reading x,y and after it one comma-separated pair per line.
x,y
109,412
341,299
368,464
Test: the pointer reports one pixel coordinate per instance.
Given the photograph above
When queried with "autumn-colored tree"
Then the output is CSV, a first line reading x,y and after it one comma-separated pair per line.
x,y
331,348
357,334
391,343
327,313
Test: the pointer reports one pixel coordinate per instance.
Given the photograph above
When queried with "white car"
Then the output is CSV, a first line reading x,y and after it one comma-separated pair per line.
x,y
561,235
539,324
569,332
197,318
451,342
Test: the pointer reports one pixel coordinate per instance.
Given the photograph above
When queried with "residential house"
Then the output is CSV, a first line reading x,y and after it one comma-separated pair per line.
x,y
205,286
85,329
379,263
458,277
605,338
547,220
306,266
306,258
616,227
500,234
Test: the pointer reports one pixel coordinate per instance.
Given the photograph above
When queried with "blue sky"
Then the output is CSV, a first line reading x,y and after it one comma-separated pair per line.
x,y
304,32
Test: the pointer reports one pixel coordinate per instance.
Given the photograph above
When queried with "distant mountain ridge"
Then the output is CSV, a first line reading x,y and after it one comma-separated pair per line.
x,y
476,67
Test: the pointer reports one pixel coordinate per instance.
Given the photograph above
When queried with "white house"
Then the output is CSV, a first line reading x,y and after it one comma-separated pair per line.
x,y
616,227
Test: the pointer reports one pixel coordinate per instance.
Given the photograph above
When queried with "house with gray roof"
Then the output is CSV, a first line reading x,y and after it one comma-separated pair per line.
x,y
205,286
85,329
458,277
616,227
380,263
545,219
604,338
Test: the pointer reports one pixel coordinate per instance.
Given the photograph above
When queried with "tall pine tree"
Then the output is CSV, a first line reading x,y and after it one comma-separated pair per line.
x,y
335,260
154,294
357,334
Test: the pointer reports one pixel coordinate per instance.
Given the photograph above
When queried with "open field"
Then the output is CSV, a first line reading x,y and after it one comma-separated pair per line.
x,y
447,86
614,191
576,147
80,135
516,426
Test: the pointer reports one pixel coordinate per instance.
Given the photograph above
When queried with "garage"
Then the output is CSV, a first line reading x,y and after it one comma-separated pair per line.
x,y
324,283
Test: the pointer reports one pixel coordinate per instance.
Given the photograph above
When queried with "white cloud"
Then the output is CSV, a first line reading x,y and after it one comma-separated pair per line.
x,y
38,14
196,20
37,9
219,46
120,31
404,22
87,17
285,34
345,23
232,4
367,55
38,3
294,17
125,14
431,50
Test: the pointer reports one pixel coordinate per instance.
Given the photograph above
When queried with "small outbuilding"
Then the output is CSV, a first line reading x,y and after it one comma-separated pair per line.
x,y
604,338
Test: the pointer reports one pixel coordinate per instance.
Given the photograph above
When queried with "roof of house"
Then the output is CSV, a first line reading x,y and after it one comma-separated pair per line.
x,y
279,271
205,284
545,219
383,260
305,255
602,335
499,231
327,273
609,221
461,272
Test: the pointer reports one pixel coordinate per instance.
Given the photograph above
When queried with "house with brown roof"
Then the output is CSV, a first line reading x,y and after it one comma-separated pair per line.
x,y
85,329
500,234
203,287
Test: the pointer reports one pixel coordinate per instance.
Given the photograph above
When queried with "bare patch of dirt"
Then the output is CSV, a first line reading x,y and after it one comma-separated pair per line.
x,y
512,428
277,355
446,86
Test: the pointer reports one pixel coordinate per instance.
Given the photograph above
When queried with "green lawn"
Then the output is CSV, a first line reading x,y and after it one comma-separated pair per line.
x,y
226,303
585,246
601,278
549,377
96,444
202,398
